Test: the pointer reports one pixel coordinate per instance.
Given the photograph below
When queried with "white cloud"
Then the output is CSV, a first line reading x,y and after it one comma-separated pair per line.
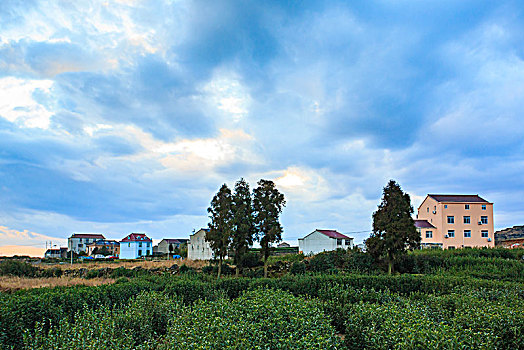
x,y
18,105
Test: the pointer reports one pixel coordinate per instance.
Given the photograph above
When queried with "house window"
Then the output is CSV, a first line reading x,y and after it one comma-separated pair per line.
x,y
467,220
348,242
484,234
429,234
129,244
445,206
147,252
428,209
467,233
339,241
451,219
466,206
451,247
484,220
483,206
140,244
451,233
80,240
80,245
140,252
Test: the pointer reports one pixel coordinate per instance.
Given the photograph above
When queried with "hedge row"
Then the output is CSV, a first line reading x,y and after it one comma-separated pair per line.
x,y
23,309
260,319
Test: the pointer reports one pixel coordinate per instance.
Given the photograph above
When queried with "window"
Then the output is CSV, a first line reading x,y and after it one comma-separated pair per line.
x,y
467,233
451,233
484,234
445,206
129,245
451,219
140,244
80,245
483,206
140,252
339,241
80,240
466,206
348,242
451,247
467,220
428,209
429,234
484,220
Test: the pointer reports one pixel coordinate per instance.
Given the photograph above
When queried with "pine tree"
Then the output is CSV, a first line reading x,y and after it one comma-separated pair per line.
x,y
221,215
268,203
393,227
243,228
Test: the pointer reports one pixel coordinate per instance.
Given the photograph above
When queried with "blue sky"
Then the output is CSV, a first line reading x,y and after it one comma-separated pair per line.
x,y
125,116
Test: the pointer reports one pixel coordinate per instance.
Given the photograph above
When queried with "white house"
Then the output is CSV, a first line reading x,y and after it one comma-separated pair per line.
x,y
135,246
197,247
78,241
323,240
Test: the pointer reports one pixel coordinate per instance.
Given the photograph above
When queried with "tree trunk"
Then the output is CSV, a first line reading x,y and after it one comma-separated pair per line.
x,y
237,271
219,266
390,267
265,267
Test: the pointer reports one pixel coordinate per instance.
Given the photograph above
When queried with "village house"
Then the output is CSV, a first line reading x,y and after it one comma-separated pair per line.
x,y
56,253
511,237
112,247
455,221
197,247
323,240
78,241
163,246
135,245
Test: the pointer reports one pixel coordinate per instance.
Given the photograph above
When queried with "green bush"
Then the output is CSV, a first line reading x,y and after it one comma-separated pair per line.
x,y
260,319
298,268
18,268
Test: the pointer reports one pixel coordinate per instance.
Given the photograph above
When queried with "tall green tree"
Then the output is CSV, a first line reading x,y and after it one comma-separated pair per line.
x,y
243,227
220,227
268,203
394,229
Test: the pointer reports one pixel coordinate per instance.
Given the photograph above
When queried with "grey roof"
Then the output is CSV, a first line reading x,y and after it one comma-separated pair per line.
x,y
459,198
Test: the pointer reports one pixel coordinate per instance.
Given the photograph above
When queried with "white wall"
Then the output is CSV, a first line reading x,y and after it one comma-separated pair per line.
x,y
198,248
130,250
317,242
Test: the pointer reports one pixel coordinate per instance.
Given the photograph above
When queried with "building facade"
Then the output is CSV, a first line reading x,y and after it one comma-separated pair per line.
x,y
111,246
163,246
323,240
78,241
136,245
56,253
511,237
197,247
455,221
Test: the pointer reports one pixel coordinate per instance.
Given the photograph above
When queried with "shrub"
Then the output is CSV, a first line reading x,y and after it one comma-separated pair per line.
x,y
298,268
260,319
17,268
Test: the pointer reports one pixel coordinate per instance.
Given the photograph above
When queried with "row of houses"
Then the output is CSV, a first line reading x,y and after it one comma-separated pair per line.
x,y
443,221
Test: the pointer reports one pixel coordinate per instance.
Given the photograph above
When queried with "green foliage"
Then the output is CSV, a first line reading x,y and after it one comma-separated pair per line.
x,y
260,319
268,203
242,222
220,227
17,268
298,268
393,227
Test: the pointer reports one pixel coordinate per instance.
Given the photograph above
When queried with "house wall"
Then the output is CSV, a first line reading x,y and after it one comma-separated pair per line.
x,y
440,220
134,250
79,244
317,242
198,248
163,246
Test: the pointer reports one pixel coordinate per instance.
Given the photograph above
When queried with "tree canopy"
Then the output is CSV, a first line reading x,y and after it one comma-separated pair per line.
x,y
393,226
243,227
268,203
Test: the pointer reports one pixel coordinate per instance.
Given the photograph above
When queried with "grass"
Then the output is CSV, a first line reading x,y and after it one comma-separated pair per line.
x,y
11,283
197,264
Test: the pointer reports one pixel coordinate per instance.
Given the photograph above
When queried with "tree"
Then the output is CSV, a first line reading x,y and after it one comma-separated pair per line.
x,y
221,215
393,227
243,229
268,203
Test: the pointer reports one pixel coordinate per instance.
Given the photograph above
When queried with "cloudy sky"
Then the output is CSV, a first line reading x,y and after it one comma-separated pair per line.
x,y
126,116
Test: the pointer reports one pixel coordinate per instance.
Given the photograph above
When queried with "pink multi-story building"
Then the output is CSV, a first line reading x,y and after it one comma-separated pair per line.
x,y
455,221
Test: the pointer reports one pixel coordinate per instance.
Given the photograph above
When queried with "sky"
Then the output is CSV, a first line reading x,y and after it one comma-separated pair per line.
x,y
127,116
